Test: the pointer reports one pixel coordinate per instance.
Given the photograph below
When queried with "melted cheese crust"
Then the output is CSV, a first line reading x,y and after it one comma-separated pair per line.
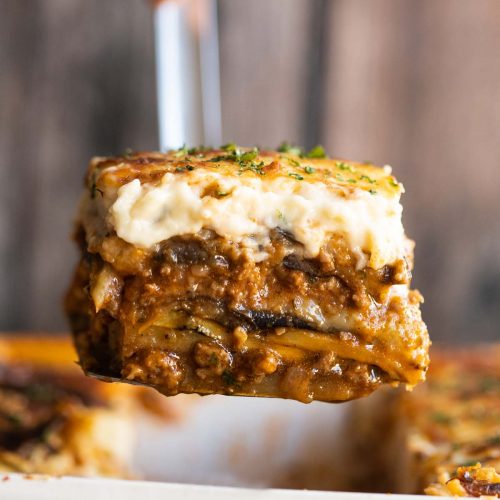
x,y
148,198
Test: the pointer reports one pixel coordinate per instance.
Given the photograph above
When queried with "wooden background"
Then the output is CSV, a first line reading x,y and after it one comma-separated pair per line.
x,y
413,83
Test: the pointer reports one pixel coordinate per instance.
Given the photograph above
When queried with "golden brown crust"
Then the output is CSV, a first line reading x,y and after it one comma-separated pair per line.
x,y
151,166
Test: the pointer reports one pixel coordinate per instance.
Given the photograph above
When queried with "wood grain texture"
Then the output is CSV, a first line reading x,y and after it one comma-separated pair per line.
x,y
415,84
264,69
77,80
410,83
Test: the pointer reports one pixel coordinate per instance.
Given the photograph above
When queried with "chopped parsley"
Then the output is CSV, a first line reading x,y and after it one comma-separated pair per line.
x,y
249,155
352,181
231,146
216,159
185,151
291,161
393,183
316,152
256,168
245,159
309,170
284,147
372,191
340,177
184,168
368,179
296,176
344,166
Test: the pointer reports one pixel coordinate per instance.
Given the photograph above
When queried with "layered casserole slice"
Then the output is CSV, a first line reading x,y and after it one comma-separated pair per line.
x,y
453,424
55,421
443,438
239,271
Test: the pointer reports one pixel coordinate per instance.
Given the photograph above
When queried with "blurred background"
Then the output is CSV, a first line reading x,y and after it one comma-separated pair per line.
x,y
412,83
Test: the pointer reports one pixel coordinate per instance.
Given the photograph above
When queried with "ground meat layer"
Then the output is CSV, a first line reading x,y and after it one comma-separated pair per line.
x,y
196,314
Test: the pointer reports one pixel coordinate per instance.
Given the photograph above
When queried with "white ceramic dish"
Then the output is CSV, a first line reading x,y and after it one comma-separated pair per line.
x,y
19,487
222,448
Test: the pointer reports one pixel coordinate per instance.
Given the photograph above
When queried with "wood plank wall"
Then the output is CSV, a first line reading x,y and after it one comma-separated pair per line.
x,y
413,83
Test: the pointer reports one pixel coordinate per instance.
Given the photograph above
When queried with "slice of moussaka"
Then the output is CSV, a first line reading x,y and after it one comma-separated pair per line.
x,y
453,424
54,420
443,438
239,271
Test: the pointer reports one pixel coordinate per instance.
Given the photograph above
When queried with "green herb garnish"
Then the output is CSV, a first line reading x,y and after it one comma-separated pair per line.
x,y
245,159
256,168
231,146
309,170
296,176
316,152
183,151
216,159
291,161
249,155
368,179
284,147
372,191
344,166
184,168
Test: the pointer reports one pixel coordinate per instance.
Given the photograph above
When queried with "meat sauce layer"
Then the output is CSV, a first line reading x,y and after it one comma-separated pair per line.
x,y
195,314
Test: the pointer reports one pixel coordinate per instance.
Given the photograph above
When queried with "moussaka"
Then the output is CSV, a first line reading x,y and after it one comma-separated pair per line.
x,y
54,420
247,272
